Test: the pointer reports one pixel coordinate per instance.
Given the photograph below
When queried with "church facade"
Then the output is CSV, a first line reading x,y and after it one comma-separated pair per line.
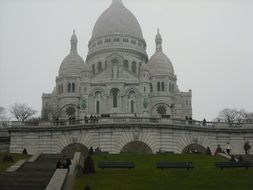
x,y
117,78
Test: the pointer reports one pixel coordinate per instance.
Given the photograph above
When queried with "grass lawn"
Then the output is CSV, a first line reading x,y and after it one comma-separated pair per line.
x,y
146,177
16,157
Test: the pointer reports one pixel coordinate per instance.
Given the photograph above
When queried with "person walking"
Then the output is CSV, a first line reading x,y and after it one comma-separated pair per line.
x,y
228,148
247,147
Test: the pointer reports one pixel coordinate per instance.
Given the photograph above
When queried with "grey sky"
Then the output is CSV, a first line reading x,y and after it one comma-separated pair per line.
x,y
209,42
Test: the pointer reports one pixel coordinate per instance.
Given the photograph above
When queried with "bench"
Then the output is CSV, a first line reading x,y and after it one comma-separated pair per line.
x,y
166,165
222,165
115,164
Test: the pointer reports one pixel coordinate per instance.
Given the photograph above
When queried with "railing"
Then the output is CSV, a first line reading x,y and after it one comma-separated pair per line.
x,y
131,120
4,132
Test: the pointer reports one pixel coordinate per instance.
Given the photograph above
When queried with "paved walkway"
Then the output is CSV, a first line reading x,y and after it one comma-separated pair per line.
x,y
31,176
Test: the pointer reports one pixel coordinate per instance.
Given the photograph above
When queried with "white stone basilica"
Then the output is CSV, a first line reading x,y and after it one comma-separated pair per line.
x,y
117,77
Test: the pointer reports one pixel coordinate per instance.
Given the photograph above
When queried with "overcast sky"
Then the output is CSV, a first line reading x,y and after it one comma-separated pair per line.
x,y
210,43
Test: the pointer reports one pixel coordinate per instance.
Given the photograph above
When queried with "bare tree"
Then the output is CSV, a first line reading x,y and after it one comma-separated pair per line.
x,y
51,112
22,111
3,116
2,112
247,117
228,115
235,116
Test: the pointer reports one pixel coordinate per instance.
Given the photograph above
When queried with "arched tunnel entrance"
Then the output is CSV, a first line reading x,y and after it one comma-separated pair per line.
x,y
194,148
137,147
74,147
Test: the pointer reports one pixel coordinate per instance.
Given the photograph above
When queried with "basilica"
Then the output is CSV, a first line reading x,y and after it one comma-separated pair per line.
x,y
117,78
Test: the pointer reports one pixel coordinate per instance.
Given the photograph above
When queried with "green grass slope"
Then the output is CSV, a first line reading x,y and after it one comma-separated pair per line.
x,y
16,157
146,176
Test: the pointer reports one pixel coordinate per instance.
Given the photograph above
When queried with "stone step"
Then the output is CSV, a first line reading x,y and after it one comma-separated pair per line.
x,y
22,187
31,176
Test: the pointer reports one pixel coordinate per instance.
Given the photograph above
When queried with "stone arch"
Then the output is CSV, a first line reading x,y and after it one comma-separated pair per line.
x,y
70,149
97,89
67,105
194,148
115,97
138,147
165,104
128,90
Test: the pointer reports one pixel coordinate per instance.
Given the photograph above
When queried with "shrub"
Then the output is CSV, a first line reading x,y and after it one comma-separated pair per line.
x,y
87,187
88,165
91,151
208,151
8,158
25,152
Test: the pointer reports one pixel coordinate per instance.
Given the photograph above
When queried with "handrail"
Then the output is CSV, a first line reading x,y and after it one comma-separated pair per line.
x,y
130,120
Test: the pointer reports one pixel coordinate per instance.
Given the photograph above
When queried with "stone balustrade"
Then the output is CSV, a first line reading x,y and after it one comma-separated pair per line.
x,y
130,120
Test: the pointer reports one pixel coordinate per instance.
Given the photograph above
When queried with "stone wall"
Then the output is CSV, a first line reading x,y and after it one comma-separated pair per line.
x,y
113,137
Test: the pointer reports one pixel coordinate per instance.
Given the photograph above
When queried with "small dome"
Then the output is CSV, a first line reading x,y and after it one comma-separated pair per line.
x,y
144,67
117,20
72,65
159,63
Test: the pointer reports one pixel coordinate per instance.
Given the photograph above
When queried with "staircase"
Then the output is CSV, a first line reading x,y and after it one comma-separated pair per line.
x,y
31,176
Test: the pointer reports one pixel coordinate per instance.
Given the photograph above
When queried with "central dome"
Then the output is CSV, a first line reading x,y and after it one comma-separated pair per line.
x,y
117,20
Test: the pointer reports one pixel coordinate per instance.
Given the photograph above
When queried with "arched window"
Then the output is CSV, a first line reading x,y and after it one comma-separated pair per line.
x,y
115,93
158,86
69,87
162,86
125,40
115,69
93,69
73,87
134,67
99,66
125,64
97,107
132,106
97,101
170,87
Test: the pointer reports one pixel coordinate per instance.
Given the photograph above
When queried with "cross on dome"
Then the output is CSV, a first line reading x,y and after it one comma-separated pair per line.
x,y
158,41
73,42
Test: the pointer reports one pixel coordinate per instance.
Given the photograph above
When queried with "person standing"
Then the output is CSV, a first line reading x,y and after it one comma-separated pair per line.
x,y
218,150
67,162
204,122
247,147
228,148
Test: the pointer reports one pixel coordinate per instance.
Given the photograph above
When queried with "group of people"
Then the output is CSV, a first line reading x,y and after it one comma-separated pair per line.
x,y
246,148
92,119
63,163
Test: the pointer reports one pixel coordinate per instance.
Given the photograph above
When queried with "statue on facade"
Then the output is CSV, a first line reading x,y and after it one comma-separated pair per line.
x,y
145,102
83,103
